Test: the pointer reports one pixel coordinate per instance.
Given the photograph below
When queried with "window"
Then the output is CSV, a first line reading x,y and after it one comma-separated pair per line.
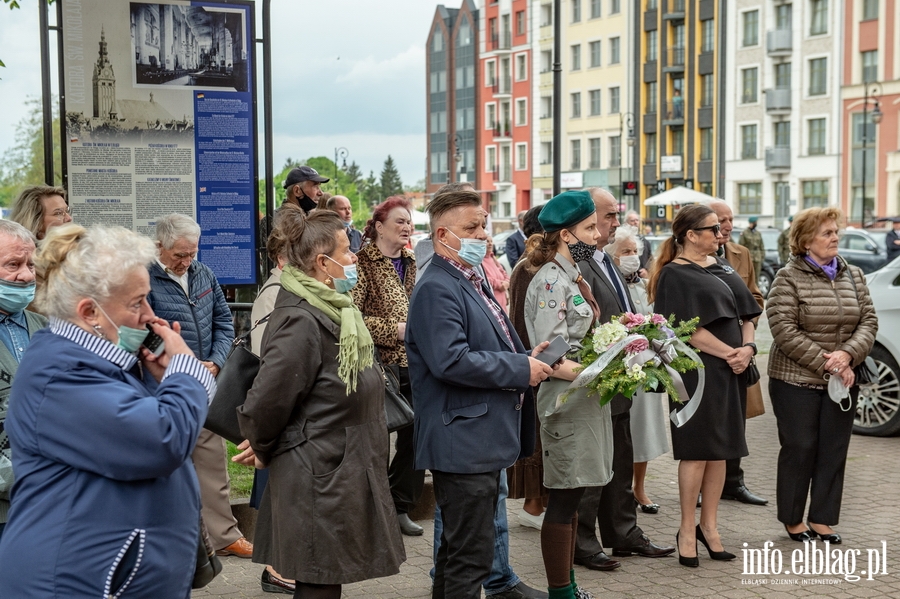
x,y
706,144
594,96
546,61
748,142
491,159
818,23
576,11
594,147
651,4
678,142
520,22
492,30
783,15
615,7
708,33
706,188
749,85
546,152
576,57
650,143
815,194
576,154
595,9
595,54
750,198
490,117
546,107
783,75
751,28
707,90
614,100
816,136
546,15
576,105
651,46
521,156
869,66
614,50
651,96
870,9
521,67
615,151
521,112
817,76
783,134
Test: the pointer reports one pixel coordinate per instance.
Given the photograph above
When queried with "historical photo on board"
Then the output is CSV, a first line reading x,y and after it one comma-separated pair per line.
x,y
192,46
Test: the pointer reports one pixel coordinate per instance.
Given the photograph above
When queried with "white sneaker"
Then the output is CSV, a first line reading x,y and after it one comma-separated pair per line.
x,y
526,519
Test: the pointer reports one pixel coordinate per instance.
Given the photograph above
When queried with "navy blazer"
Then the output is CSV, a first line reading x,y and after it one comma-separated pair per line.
x,y
515,247
466,378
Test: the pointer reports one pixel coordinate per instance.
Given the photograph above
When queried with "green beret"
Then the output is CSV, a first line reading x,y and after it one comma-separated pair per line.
x,y
753,219
791,218
567,209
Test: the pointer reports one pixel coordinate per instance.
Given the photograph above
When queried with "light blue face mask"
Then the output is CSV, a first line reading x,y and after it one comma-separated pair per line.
x,y
15,297
350,277
471,251
130,339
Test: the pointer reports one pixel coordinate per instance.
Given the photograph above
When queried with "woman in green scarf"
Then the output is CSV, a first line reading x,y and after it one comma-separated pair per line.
x,y
315,419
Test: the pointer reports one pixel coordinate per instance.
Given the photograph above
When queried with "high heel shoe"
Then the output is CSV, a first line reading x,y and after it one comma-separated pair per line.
x,y
800,537
833,538
716,555
690,562
647,508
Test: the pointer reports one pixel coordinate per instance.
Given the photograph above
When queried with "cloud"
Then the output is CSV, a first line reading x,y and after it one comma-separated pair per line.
x,y
398,67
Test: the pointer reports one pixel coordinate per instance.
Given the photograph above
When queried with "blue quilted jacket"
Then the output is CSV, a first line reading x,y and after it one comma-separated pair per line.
x,y
205,318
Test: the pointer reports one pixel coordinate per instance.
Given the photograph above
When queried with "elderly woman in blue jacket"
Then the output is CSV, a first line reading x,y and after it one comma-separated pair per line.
x,y
105,502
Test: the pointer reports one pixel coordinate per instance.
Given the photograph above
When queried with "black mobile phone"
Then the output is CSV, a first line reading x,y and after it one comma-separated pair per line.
x,y
555,352
154,342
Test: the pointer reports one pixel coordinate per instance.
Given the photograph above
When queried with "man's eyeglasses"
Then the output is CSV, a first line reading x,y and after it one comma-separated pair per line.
x,y
714,228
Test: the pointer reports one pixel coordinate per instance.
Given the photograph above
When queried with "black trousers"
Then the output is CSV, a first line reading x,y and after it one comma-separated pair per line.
x,y
612,506
464,560
815,435
734,476
405,481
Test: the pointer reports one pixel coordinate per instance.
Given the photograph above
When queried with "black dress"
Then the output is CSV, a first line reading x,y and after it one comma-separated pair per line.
x,y
716,430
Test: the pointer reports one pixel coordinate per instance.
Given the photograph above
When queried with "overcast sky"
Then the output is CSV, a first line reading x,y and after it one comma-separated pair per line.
x,y
346,73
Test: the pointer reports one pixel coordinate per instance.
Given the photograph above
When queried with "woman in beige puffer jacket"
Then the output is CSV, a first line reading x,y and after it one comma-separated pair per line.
x,y
823,324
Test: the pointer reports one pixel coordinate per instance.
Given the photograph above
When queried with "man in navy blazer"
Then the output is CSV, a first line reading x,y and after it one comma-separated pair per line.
x,y
515,243
473,377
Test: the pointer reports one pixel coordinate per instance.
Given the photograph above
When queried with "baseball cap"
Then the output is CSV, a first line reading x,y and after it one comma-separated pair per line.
x,y
304,173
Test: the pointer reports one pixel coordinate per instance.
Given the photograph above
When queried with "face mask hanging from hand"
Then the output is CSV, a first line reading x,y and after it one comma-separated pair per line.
x,y
837,391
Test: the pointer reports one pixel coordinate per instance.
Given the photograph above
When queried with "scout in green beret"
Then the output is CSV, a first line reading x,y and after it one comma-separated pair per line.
x,y
566,209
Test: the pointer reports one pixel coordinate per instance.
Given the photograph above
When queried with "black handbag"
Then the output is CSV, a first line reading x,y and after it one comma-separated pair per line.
x,y
234,381
753,375
397,410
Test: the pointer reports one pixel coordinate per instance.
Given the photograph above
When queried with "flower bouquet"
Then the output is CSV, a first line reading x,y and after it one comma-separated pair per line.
x,y
638,351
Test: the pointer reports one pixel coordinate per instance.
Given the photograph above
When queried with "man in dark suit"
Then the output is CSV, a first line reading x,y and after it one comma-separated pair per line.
x,y
473,376
515,243
892,240
612,506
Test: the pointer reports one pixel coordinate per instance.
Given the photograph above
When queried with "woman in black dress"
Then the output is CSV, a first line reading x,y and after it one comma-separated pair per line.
x,y
690,282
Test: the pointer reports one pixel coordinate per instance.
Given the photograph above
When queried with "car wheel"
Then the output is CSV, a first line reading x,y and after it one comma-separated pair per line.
x,y
764,281
878,407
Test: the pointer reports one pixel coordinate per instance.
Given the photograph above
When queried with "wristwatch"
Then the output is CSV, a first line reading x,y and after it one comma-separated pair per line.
x,y
752,345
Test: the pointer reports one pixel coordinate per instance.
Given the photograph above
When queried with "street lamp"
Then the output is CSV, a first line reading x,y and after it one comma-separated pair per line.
x,y
874,92
626,119
339,153
457,156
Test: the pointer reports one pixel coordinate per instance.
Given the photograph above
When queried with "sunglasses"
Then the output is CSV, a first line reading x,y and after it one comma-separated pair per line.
x,y
713,228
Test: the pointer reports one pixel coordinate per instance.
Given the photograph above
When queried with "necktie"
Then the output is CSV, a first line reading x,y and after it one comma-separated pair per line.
x,y
614,277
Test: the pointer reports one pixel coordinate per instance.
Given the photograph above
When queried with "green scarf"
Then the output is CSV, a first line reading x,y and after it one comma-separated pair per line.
x,y
356,351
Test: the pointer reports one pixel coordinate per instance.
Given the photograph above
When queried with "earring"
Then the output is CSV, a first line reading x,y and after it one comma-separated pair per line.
x,y
328,280
99,330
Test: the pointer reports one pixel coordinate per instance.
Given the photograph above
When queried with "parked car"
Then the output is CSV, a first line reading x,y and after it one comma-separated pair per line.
x,y
878,408
864,248
500,248
771,263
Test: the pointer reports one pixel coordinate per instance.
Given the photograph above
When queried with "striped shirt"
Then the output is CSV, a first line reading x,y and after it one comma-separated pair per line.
x,y
179,363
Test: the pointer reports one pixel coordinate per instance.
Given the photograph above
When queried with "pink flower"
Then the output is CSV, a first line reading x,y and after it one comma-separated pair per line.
x,y
637,346
658,319
633,320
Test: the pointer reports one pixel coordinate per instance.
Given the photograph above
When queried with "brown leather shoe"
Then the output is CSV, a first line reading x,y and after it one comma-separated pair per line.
x,y
240,548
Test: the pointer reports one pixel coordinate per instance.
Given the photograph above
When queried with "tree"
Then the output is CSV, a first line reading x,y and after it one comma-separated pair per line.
x,y
23,164
416,187
390,179
371,190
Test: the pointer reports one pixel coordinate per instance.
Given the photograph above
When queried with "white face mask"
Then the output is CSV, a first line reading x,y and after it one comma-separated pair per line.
x,y
837,391
629,264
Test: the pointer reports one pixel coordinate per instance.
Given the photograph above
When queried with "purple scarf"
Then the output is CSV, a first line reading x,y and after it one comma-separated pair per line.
x,y
829,269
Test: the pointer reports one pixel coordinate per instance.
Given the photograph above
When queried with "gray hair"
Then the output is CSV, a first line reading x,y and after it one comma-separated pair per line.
x,y
16,231
623,233
172,227
76,263
630,212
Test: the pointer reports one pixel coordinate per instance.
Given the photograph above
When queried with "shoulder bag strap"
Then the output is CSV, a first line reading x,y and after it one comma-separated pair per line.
x,y
240,340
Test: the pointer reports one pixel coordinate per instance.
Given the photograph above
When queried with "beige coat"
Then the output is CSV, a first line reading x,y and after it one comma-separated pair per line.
x,y
809,315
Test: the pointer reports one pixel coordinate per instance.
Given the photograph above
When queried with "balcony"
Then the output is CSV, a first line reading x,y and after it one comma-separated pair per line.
x,y
778,100
502,131
778,159
779,42
674,113
501,42
674,59
505,174
502,86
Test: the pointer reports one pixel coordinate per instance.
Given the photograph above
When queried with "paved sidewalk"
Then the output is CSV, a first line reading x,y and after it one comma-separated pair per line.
x,y
869,517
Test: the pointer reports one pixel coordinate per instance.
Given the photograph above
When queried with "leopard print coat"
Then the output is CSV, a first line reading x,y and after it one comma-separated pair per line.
x,y
383,299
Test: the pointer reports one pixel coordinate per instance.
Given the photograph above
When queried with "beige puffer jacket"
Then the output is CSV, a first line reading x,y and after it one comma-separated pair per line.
x,y
809,315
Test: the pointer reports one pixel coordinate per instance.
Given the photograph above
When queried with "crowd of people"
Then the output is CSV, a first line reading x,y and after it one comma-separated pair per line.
x,y
103,444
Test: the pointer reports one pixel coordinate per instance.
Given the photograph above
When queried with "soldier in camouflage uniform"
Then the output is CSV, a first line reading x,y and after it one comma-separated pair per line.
x,y
753,241
784,243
